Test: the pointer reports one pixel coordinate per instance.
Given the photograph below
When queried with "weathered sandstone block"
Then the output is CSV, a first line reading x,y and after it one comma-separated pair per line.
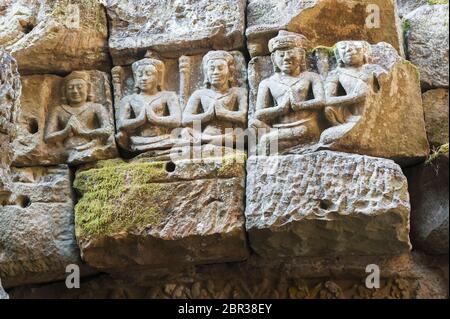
x,y
55,35
324,22
173,27
353,98
161,214
65,120
427,42
435,107
326,203
428,186
37,237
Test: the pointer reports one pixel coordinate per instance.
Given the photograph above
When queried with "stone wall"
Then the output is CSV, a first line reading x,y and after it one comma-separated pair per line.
x,y
224,149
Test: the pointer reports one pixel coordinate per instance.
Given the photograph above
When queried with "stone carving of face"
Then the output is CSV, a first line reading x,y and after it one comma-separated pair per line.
x,y
147,78
218,72
76,92
288,60
351,54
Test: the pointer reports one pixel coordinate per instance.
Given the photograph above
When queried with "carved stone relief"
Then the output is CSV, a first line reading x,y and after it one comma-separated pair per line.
x,y
65,120
345,99
156,96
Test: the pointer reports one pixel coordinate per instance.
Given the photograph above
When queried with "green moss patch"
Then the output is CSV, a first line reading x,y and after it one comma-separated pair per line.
x,y
119,198
434,2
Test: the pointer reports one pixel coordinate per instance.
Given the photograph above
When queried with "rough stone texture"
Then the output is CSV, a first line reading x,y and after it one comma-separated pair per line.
x,y
428,186
407,276
3,294
406,6
161,214
173,27
41,95
326,203
55,35
427,42
324,22
10,90
391,126
435,107
37,238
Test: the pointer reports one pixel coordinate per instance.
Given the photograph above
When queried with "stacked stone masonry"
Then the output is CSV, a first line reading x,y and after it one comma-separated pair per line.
x,y
223,149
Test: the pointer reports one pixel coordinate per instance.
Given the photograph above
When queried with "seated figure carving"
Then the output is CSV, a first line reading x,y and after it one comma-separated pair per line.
x,y
347,87
81,126
220,107
291,100
147,117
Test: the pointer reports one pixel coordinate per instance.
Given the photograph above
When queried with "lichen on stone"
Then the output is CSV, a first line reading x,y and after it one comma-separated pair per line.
x,y
118,198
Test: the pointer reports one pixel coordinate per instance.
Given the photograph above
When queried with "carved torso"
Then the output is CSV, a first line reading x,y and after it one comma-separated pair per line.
x,y
85,117
229,101
295,88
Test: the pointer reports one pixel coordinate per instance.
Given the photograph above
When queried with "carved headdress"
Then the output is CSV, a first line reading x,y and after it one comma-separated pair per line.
x,y
288,40
151,58
219,55
362,45
77,75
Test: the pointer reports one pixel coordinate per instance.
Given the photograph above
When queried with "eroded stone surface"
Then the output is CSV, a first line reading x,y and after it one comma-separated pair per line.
x,y
55,35
173,27
407,276
10,91
36,226
161,214
372,120
326,203
427,41
3,294
406,6
324,22
435,107
63,123
428,186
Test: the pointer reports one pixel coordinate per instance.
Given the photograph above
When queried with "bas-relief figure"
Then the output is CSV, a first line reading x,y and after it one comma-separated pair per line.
x,y
153,121
82,127
220,107
303,111
289,101
147,117
347,88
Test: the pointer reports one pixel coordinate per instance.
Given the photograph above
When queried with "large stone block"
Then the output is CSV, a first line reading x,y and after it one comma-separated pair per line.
x,y
37,236
428,185
161,214
324,22
326,203
55,35
173,28
427,42
48,110
435,107
381,124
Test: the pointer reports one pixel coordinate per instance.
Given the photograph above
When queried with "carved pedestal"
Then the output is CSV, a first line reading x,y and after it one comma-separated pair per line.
x,y
161,214
326,203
